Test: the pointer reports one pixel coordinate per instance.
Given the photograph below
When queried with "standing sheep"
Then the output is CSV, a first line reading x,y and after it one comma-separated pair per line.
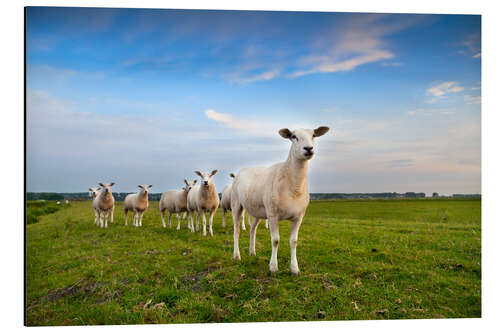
x,y
201,199
175,201
94,192
138,203
278,192
225,204
104,204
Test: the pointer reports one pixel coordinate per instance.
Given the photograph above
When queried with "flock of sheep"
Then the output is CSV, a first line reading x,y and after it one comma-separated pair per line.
x,y
274,193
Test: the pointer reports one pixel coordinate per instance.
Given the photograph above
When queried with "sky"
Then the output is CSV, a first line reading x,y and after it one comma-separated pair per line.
x,y
148,96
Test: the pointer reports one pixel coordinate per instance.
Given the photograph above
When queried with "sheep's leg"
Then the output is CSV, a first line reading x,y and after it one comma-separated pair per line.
x,y
190,227
197,221
237,212
184,215
294,233
169,219
112,213
162,215
223,217
95,217
106,219
140,219
136,219
267,224
204,219
275,241
126,217
210,221
243,220
178,221
254,223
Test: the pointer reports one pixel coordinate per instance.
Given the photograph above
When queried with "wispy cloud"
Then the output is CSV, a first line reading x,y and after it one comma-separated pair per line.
x,y
430,112
472,45
442,89
248,78
472,99
360,42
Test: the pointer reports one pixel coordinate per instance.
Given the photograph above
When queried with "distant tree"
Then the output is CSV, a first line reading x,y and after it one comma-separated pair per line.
x,y
435,195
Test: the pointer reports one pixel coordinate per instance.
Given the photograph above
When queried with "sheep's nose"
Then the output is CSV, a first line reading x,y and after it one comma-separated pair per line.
x,y
205,182
308,149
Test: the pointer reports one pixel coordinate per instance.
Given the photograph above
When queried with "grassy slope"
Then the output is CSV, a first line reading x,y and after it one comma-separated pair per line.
x,y
359,260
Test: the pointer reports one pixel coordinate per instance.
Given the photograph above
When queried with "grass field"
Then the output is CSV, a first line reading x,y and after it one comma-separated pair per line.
x,y
381,259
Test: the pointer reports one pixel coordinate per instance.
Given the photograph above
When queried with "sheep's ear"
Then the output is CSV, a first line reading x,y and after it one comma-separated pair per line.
x,y
140,186
198,173
186,182
101,184
113,183
320,131
149,186
91,190
286,133
213,173
232,175
194,181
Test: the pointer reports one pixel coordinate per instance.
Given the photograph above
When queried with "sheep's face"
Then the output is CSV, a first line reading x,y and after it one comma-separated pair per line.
x,y
94,191
145,188
106,187
189,185
206,177
303,141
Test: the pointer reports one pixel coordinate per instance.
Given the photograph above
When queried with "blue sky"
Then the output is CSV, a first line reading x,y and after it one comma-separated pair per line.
x,y
148,96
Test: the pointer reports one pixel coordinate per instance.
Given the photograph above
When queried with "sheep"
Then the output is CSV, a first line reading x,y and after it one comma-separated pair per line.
x,y
225,204
94,192
138,203
58,202
175,201
278,192
201,199
104,204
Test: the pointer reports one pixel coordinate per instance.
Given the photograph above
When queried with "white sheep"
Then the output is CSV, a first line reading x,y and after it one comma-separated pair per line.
x,y
203,198
94,192
175,201
104,204
225,204
138,203
278,192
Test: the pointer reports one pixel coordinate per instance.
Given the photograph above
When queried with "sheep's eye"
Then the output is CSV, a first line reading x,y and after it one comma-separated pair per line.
x,y
294,137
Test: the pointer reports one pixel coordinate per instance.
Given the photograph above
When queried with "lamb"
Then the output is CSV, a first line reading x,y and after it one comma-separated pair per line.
x,y
201,199
175,201
104,204
138,203
94,192
278,192
225,204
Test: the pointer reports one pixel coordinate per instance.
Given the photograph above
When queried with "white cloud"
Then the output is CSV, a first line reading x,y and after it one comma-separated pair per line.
x,y
359,42
444,88
472,99
263,76
430,112
477,55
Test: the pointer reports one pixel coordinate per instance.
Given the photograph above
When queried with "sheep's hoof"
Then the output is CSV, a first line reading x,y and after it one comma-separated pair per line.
x,y
273,268
237,257
253,254
295,271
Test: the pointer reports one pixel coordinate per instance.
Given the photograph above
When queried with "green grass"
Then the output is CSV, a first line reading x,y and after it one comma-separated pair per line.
x,y
380,259
35,209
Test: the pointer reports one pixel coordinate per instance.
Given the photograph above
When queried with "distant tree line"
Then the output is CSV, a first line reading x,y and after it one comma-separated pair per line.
x,y
120,196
